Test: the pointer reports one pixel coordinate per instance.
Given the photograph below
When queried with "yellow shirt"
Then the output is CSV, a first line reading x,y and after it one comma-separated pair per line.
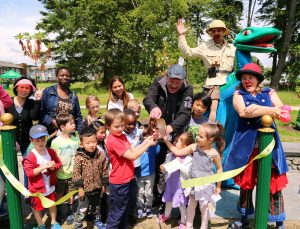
x,y
209,52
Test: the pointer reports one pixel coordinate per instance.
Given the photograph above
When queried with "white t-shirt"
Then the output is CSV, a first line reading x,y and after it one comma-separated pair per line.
x,y
43,160
118,104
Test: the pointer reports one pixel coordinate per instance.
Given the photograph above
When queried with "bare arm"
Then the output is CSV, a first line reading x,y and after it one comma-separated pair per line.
x,y
134,153
213,110
180,152
218,163
276,101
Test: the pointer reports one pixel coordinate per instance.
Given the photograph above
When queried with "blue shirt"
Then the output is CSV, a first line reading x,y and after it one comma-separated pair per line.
x,y
148,160
135,139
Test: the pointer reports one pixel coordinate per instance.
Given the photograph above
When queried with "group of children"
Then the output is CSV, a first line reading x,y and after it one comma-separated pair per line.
x,y
122,164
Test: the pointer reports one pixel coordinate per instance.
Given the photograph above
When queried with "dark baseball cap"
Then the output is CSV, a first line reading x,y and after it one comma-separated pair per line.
x,y
177,71
38,131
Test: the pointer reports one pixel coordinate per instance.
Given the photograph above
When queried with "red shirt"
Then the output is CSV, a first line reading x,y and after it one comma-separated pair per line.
x,y
122,169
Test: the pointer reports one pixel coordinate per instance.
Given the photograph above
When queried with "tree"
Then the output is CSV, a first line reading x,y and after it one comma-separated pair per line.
x,y
32,47
107,37
282,15
111,37
230,11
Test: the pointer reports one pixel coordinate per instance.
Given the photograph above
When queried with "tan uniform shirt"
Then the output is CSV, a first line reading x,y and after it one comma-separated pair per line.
x,y
210,52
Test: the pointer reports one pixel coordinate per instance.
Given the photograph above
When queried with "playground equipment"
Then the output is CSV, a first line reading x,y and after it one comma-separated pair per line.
x,y
8,148
264,175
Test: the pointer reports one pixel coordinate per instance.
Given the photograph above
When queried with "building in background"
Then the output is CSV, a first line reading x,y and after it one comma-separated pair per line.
x,y
45,75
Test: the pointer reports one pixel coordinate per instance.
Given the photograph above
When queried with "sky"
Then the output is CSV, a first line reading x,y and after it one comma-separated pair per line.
x,y
19,16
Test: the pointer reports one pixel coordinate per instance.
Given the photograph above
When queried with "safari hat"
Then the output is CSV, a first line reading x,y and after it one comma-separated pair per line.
x,y
251,69
217,24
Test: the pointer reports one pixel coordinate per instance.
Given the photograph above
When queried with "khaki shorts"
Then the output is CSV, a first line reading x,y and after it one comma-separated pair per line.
x,y
63,186
212,91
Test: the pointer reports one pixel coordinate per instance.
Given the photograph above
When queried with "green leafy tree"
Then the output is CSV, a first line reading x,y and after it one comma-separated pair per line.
x,y
230,11
285,16
128,38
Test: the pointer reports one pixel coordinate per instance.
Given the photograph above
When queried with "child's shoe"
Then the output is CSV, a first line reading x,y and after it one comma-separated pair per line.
x,y
55,226
140,213
149,213
279,225
181,226
70,219
238,224
100,225
162,218
39,227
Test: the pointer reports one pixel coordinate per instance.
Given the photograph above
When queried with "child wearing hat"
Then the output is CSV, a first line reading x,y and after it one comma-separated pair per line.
x,y
40,166
251,102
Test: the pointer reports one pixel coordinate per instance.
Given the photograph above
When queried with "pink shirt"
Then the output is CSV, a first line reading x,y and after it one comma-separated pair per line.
x,y
122,169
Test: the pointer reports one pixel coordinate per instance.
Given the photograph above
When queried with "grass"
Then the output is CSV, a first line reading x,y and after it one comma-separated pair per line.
x,y
287,133
289,98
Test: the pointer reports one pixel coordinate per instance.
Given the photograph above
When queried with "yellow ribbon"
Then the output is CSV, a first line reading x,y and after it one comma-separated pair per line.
x,y
47,203
225,175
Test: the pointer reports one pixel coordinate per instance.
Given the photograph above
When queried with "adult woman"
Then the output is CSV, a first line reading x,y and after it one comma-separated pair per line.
x,y
251,102
118,96
59,99
24,109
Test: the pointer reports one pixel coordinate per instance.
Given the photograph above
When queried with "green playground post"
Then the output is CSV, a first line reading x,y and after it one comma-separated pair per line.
x,y
8,134
263,175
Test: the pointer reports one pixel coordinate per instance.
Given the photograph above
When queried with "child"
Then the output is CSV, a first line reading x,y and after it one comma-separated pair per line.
x,y
204,158
134,136
201,102
135,105
121,178
65,147
101,135
40,167
146,180
89,168
92,104
174,194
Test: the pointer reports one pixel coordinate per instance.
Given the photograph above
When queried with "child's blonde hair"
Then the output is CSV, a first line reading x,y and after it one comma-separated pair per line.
x,y
88,102
216,132
132,103
90,99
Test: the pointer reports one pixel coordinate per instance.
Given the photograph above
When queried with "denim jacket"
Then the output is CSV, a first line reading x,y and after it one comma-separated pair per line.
x,y
49,103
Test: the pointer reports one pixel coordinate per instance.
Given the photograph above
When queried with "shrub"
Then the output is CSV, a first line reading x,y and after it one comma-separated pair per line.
x,y
138,82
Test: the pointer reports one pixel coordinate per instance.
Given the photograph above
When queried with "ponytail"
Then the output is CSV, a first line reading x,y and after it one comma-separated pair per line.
x,y
219,139
216,132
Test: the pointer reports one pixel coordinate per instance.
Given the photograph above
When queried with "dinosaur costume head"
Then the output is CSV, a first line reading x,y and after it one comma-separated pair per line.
x,y
257,39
